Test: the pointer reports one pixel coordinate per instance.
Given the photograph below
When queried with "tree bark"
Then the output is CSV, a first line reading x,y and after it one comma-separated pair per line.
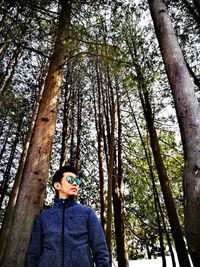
x,y
165,186
79,128
156,196
111,144
118,196
188,113
100,151
18,177
6,176
31,195
66,112
99,120
72,125
9,71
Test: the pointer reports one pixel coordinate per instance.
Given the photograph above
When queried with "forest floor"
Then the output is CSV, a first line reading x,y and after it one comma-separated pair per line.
x,y
149,263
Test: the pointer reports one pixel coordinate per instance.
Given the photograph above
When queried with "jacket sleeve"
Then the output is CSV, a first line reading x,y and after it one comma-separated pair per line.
x,y
35,246
97,242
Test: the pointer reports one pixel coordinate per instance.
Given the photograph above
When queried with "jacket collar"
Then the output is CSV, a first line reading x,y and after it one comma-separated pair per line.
x,y
68,202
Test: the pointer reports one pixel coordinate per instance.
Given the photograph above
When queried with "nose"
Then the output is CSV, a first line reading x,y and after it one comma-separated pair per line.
x,y
74,182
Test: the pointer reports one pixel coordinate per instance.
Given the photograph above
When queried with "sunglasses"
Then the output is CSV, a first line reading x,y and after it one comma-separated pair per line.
x,y
71,179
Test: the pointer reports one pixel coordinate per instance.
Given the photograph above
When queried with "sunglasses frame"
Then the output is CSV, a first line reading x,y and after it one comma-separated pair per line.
x,y
71,179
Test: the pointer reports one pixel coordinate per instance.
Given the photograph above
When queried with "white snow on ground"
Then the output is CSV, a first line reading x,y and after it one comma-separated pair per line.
x,y
149,263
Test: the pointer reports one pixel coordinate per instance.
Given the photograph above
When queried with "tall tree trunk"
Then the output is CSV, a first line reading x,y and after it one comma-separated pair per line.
x,y
194,76
165,184
3,149
106,130
3,47
79,128
118,196
100,130
188,113
6,176
31,195
157,204
111,144
65,130
3,121
9,71
99,120
72,125
15,190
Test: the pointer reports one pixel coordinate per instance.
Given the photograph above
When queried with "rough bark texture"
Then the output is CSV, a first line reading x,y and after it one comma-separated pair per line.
x,y
15,190
188,113
31,195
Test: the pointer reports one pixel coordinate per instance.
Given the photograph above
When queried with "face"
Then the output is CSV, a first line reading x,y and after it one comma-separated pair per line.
x,y
64,188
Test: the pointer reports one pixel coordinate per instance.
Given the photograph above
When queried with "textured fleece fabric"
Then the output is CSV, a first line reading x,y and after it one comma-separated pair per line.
x,y
67,235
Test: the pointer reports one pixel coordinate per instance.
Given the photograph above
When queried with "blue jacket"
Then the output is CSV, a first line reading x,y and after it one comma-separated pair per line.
x,y
67,235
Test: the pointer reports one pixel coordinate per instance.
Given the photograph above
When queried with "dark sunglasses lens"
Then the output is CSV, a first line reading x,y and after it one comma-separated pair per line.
x,y
71,180
78,181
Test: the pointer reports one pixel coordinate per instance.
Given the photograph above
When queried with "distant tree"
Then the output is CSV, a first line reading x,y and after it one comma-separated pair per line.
x,y
187,108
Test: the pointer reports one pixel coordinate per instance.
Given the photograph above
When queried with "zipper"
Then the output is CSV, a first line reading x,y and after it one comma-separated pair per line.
x,y
63,232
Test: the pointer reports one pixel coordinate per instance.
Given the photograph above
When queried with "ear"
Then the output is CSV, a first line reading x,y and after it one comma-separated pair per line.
x,y
57,186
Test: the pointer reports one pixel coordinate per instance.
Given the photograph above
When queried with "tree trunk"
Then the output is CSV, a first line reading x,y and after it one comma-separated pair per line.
x,y
165,185
111,144
118,197
188,113
9,71
194,76
79,128
72,125
31,195
3,149
100,150
197,5
98,110
157,204
15,190
6,176
65,130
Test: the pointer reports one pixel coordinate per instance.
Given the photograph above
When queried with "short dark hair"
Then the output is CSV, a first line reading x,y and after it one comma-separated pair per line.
x,y
59,173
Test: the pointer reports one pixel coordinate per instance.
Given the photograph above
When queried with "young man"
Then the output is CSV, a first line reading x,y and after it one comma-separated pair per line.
x,y
69,234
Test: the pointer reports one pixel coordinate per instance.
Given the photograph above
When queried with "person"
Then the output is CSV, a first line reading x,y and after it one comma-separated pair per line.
x,y
68,234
